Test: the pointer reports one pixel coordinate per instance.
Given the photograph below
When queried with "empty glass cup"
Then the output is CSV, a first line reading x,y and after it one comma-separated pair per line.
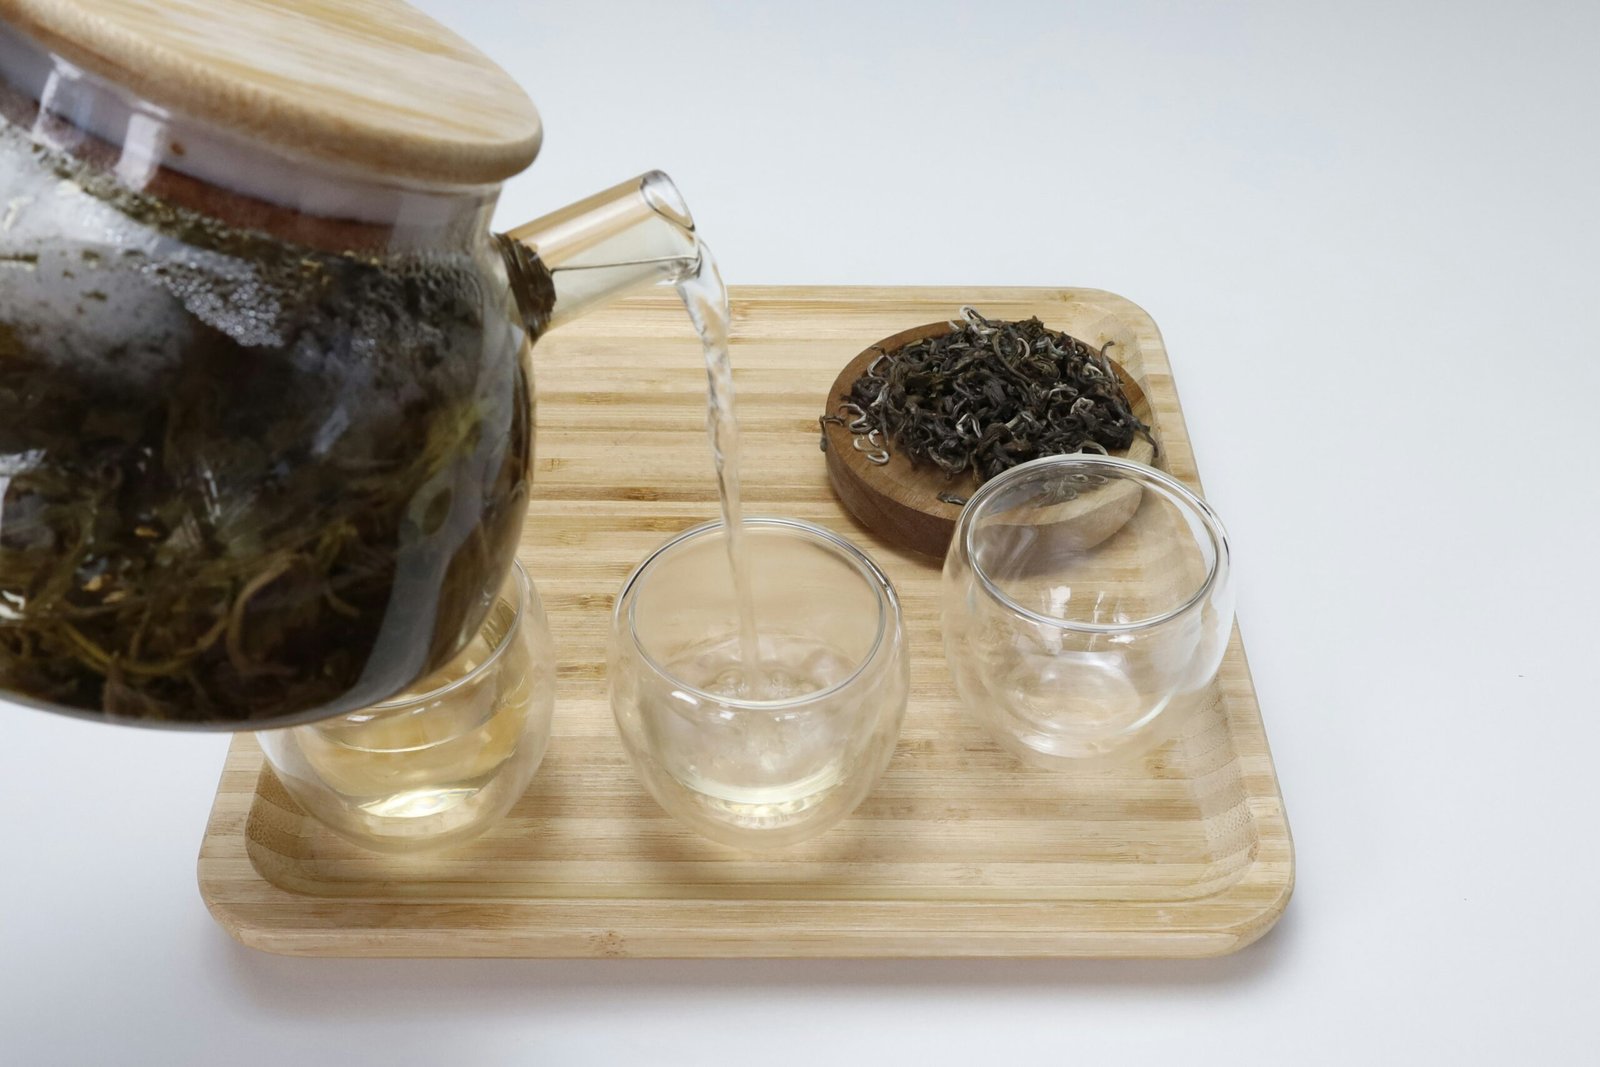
x,y
438,764
766,757
1087,604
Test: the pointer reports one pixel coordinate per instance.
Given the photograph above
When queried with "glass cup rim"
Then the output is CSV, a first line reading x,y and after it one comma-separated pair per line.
x,y
520,609
883,589
1159,479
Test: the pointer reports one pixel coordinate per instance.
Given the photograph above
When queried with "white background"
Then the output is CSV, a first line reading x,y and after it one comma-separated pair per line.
x,y
1368,232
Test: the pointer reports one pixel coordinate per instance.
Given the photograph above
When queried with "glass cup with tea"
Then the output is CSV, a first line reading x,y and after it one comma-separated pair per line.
x,y
758,740
437,765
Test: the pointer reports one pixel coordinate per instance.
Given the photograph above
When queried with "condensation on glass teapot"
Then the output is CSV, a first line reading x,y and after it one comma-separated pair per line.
x,y
265,399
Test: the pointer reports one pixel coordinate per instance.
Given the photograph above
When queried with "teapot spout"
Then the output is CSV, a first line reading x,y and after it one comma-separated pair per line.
x,y
633,235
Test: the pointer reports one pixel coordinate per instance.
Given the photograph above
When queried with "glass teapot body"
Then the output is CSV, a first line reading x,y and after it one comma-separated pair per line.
x,y
267,428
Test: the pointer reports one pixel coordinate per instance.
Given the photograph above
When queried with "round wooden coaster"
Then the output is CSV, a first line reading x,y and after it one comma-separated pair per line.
x,y
900,502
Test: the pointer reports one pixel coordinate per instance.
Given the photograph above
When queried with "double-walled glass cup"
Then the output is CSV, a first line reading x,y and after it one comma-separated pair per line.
x,y
437,765
1087,604
765,758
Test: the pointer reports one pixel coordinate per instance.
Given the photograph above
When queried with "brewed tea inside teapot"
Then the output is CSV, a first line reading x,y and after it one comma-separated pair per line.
x,y
266,417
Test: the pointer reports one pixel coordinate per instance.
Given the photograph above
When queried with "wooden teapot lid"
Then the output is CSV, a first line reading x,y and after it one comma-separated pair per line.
x,y
370,84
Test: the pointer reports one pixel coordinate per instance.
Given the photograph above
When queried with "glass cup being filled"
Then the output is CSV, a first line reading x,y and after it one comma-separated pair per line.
x,y
441,762
758,740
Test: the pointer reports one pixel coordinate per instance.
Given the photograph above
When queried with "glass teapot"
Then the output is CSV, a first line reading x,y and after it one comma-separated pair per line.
x,y
265,403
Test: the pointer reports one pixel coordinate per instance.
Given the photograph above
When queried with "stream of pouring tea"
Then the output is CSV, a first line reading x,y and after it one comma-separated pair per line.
x,y
706,299
766,767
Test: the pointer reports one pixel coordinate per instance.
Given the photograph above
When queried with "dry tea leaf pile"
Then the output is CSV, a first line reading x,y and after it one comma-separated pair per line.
x,y
989,395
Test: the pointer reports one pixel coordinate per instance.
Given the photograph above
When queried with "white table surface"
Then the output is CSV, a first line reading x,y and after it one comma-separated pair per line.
x,y
1368,232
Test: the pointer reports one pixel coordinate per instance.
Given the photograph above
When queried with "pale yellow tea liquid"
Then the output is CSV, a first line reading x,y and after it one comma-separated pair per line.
x,y
435,763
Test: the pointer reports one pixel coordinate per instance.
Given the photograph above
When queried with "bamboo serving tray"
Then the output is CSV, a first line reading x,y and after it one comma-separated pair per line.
x,y
959,851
